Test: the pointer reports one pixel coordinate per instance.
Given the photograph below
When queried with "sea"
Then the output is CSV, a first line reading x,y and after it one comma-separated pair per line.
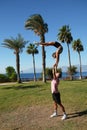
x,y
30,76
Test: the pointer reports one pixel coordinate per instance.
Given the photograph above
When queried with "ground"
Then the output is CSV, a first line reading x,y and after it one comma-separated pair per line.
x,y
36,115
38,118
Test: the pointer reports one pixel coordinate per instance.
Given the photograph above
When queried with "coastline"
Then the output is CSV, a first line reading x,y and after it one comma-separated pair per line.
x,y
30,76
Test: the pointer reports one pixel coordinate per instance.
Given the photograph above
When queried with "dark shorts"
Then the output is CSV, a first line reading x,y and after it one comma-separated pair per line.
x,y
56,97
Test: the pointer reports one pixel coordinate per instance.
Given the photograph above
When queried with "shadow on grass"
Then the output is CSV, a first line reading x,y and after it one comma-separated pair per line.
x,y
21,87
77,114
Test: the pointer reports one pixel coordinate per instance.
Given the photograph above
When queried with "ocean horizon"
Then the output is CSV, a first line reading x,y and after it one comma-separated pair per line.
x,y
30,76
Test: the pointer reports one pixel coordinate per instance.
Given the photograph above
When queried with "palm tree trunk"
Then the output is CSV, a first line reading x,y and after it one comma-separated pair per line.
x,y
18,67
43,58
34,68
80,65
71,78
43,63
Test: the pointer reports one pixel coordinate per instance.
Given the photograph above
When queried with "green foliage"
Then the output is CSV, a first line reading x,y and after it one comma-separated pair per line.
x,y
36,23
77,45
72,70
32,49
3,78
49,73
65,35
13,77
11,73
17,44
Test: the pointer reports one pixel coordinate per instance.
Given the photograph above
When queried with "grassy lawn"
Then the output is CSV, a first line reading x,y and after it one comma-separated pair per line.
x,y
21,103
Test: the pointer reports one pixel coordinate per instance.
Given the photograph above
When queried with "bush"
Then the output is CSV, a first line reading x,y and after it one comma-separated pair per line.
x,y
11,73
3,78
13,77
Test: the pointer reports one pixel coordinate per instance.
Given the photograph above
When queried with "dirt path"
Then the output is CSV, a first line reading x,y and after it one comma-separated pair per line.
x,y
7,83
38,118
28,118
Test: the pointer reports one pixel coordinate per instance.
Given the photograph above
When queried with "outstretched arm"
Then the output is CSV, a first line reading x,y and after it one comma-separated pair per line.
x,y
47,44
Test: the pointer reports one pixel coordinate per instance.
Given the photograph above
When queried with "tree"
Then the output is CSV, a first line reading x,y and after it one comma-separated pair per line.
x,y
49,73
17,44
10,70
36,23
77,46
3,78
11,73
32,49
72,70
65,36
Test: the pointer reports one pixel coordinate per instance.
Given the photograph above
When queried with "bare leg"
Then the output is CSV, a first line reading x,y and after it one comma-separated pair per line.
x,y
55,110
62,107
55,106
64,113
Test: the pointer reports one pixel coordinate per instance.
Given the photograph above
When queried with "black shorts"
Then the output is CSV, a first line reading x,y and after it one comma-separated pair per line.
x,y
56,97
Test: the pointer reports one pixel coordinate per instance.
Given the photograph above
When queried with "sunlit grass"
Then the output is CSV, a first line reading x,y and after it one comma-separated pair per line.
x,y
73,95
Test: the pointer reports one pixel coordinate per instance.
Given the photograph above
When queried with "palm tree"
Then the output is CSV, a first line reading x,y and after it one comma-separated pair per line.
x,y
77,46
65,36
17,44
32,49
36,23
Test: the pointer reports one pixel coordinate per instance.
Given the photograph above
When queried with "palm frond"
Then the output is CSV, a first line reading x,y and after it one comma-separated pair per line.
x,y
36,23
16,44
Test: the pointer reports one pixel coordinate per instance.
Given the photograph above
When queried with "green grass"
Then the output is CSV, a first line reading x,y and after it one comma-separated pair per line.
x,y
73,95
18,95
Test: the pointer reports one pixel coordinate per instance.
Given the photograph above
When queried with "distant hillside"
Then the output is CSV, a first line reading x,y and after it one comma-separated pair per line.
x,y
84,68
64,69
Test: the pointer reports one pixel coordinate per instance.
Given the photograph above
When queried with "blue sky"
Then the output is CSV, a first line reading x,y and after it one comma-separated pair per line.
x,y
56,13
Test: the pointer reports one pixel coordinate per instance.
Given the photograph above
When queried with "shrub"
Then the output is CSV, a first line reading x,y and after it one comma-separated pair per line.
x,y
3,78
